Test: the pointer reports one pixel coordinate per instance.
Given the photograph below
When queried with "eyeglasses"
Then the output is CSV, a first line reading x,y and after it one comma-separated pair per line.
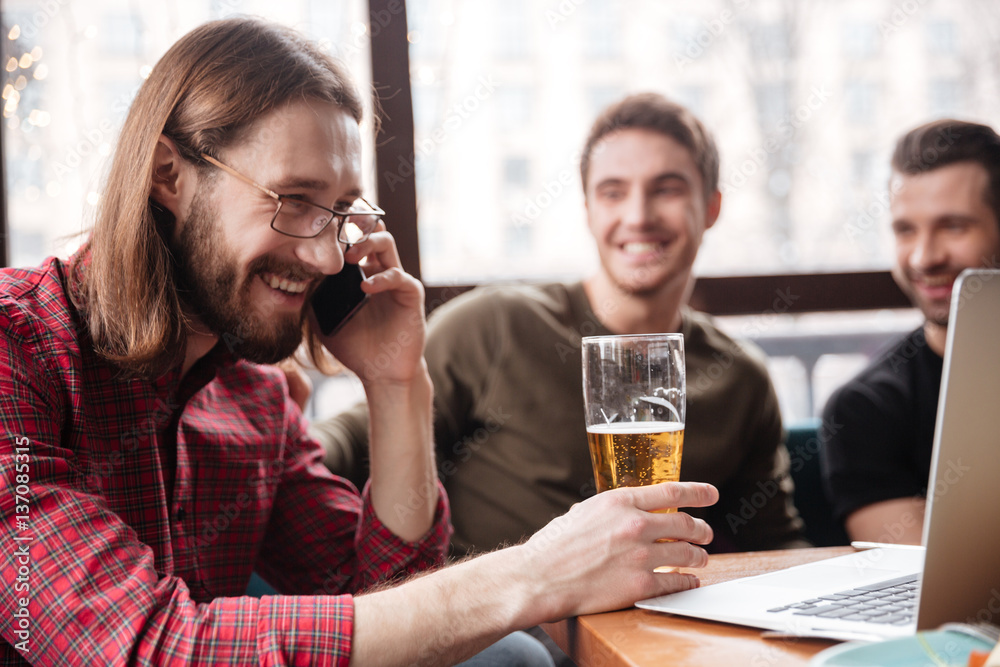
x,y
305,220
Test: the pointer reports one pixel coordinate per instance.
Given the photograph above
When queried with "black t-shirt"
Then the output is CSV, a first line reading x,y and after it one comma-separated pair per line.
x,y
878,429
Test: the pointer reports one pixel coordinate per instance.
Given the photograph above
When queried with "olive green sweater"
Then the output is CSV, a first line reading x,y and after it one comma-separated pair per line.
x,y
509,422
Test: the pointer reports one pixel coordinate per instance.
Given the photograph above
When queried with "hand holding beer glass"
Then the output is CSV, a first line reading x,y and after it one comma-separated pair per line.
x,y
634,397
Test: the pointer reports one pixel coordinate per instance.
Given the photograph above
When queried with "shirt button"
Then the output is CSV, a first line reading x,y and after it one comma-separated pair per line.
x,y
181,514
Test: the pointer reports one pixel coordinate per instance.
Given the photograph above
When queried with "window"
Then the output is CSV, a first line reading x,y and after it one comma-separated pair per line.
x,y
691,96
862,167
118,34
76,72
427,22
770,41
683,32
861,100
944,98
792,105
503,95
514,106
772,104
515,172
517,239
600,96
604,29
426,99
861,40
512,30
942,38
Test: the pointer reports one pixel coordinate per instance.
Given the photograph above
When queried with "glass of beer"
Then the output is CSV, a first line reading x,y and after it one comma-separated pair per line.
x,y
634,397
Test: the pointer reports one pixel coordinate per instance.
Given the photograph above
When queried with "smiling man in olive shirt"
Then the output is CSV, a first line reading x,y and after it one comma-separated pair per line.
x,y
505,361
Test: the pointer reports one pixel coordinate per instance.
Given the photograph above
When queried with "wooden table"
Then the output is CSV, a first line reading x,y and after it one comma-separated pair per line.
x,y
637,637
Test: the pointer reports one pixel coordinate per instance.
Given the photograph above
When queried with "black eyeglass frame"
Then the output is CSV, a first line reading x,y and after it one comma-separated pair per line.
x,y
342,215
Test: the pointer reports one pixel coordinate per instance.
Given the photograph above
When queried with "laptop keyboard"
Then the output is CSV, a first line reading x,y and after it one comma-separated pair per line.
x,y
890,602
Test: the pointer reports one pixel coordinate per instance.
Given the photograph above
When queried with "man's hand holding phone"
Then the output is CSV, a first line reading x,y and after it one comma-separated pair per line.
x,y
338,298
376,323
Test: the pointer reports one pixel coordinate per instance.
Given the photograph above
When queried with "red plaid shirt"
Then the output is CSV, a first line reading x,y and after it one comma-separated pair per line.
x,y
136,510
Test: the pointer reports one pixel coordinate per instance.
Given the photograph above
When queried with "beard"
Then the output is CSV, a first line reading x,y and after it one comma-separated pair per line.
x,y
934,312
212,290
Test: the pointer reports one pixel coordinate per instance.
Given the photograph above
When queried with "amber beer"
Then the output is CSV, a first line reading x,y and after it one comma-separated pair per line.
x,y
635,453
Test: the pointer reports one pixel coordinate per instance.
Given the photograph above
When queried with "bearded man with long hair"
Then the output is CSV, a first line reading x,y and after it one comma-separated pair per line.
x,y
162,461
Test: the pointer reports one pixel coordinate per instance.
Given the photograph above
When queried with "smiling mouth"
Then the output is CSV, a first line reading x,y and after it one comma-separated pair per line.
x,y
642,247
936,281
284,283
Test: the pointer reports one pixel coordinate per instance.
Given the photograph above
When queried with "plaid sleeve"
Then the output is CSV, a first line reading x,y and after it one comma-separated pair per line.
x,y
86,590
325,539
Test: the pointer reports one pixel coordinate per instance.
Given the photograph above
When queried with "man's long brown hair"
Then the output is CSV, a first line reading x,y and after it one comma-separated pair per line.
x,y
204,93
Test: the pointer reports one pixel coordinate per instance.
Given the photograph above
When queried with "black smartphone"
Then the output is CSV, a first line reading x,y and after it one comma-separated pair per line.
x,y
338,298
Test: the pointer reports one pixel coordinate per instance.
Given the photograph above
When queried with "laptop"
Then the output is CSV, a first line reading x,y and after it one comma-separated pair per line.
x,y
956,576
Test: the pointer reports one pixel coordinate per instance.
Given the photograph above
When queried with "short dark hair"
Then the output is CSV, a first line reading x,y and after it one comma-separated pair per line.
x,y
652,111
948,141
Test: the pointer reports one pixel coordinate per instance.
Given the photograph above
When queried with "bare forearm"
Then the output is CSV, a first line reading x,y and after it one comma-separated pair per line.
x,y
441,618
404,483
599,556
899,521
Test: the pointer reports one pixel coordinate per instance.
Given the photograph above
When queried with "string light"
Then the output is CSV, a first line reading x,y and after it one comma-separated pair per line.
x,y
31,68
39,118
20,71
12,97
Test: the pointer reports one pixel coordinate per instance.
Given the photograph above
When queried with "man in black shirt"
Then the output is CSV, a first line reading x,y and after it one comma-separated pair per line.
x,y
879,428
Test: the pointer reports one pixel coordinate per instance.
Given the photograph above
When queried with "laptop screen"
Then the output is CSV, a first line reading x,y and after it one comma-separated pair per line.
x,y
962,530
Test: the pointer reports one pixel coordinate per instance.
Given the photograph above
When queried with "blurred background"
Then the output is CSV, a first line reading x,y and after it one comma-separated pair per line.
x,y
805,97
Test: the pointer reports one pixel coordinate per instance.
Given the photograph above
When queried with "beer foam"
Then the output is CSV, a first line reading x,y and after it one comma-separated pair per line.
x,y
637,427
